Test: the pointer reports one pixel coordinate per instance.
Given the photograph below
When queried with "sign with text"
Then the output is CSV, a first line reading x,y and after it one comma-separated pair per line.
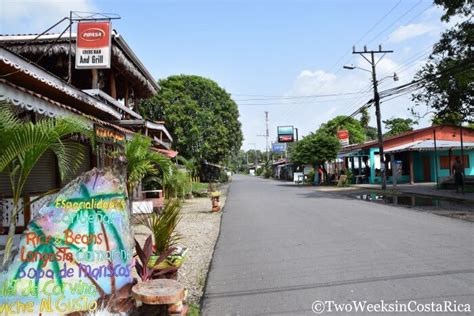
x,y
93,45
343,136
285,134
76,254
285,138
108,135
278,148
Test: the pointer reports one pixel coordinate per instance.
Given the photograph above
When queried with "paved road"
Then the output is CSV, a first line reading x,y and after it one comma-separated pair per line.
x,y
282,247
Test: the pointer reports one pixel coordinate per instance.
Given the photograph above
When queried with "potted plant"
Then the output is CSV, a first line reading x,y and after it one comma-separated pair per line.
x,y
215,199
162,227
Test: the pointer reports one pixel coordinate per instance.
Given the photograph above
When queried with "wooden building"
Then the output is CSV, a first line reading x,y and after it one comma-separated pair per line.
x,y
34,80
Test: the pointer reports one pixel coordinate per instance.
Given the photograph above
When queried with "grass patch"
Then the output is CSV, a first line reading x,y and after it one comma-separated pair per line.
x,y
200,186
193,310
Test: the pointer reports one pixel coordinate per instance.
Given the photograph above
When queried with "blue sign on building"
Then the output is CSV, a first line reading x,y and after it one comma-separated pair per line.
x,y
278,147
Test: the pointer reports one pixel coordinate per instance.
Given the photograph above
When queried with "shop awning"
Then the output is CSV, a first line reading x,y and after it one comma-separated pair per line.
x,y
167,153
428,145
353,153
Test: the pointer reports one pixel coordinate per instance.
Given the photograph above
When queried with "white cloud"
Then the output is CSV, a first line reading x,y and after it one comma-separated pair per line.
x,y
409,31
34,16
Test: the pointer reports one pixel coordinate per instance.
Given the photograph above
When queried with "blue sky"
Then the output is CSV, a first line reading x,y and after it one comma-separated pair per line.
x,y
276,48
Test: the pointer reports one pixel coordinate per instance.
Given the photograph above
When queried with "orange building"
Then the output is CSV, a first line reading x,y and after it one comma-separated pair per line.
x,y
423,155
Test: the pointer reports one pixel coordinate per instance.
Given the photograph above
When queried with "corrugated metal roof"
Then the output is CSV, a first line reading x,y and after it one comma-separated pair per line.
x,y
428,145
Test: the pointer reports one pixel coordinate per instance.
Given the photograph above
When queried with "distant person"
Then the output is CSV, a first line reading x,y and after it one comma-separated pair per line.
x,y
367,173
458,171
320,175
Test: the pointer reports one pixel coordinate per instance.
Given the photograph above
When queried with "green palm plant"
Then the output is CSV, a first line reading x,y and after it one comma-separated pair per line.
x,y
178,183
163,226
22,144
142,161
190,165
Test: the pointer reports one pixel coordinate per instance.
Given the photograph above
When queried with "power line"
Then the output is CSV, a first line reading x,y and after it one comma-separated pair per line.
x,y
298,97
348,52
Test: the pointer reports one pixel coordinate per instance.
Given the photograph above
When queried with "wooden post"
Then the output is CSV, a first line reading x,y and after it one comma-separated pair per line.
x,y
412,176
113,88
394,170
95,79
126,94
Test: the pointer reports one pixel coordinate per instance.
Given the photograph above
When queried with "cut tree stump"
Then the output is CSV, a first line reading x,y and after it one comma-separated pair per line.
x,y
158,292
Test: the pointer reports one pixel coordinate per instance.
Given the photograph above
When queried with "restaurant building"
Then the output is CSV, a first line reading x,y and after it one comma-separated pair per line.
x,y
423,155
34,80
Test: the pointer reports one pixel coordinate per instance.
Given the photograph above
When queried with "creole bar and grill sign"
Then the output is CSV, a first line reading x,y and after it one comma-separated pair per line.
x,y
110,136
93,45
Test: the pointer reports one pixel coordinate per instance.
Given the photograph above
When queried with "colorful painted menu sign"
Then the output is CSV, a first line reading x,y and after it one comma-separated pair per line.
x,y
76,252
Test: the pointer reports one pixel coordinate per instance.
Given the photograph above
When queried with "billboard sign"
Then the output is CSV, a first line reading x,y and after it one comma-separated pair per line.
x,y
285,138
285,134
278,148
285,130
343,136
93,45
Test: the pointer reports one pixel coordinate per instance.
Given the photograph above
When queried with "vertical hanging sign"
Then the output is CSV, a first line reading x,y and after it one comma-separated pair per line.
x,y
343,136
93,45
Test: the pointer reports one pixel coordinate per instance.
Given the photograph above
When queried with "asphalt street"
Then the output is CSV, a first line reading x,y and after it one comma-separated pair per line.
x,y
283,247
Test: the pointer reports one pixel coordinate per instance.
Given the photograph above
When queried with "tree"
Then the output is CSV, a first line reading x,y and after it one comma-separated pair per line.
x,y
370,132
448,85
356,131
200,115
22,144
397,126
317,147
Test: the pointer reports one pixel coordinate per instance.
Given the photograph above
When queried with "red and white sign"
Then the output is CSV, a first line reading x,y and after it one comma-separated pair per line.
x,y
343,137
285,138
93,45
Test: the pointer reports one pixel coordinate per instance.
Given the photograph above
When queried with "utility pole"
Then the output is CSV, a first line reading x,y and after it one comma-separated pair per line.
x,y
373,63
266,134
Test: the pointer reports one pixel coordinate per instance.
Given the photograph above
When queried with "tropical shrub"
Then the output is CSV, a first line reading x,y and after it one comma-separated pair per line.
x,y
144,271
163,226
143,162
22,144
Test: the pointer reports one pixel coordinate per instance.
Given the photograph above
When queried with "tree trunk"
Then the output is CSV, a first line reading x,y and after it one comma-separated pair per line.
x,y
11,235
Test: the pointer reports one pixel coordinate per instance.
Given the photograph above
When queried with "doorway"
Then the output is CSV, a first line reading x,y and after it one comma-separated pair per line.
x,y
426,169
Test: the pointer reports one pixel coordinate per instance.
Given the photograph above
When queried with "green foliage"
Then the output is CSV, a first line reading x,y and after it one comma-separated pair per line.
x,y
259,171
163,226
370,133
365,118
356,130
315,148
178,184
22,144
142,161
449,73
190,165
144,255
194,310
397,126
200,115
223,177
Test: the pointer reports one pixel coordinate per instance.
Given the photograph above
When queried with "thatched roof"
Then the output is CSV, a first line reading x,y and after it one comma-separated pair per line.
x,y
123,58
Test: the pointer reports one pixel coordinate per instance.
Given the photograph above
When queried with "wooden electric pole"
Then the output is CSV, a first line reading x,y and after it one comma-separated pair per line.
x,y
373,63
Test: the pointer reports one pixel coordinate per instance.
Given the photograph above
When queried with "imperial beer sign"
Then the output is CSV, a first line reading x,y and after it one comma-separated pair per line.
x,y
93,45
343,136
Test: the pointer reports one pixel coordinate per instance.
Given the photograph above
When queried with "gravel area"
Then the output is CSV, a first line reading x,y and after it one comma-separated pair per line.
x,y
199,228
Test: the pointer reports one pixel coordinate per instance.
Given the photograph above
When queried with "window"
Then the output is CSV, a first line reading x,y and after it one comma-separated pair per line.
x,y
444,161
